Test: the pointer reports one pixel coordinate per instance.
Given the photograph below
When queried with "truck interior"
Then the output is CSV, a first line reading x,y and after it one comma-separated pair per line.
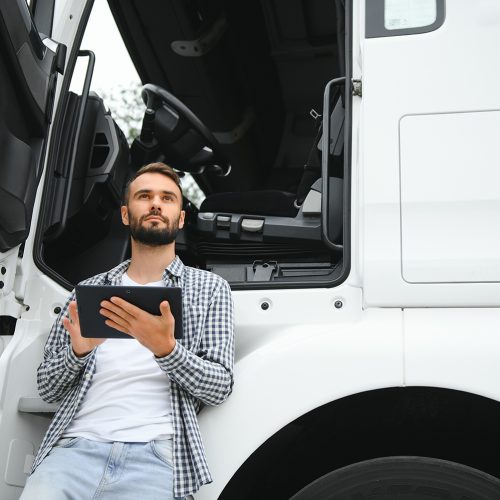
x,y
235,96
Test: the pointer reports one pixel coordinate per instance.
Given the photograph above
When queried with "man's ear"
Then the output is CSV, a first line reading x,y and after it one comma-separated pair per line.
x,y
124,213
181,219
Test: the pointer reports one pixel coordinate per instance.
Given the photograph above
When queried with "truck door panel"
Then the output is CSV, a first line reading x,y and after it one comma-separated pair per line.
x,y
429,153
28,69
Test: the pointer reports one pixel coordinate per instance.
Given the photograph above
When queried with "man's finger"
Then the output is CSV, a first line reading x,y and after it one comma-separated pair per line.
x,y
118,327
73,313
165,308
116,318
67,323
73,332
126,306
117,309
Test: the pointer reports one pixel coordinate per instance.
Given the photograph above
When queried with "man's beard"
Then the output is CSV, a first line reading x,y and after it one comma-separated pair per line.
x,y
153,235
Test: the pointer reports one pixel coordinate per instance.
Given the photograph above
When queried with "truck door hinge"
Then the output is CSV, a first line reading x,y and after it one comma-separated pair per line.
x,y
357,88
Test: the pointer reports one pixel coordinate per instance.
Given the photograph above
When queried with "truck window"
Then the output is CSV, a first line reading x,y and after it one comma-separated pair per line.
x,y
403,17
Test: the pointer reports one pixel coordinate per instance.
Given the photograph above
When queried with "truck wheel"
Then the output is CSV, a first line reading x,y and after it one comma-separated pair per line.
x,y
403,478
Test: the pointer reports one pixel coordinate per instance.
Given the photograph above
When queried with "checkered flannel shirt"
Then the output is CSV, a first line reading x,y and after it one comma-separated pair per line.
x,y
200,367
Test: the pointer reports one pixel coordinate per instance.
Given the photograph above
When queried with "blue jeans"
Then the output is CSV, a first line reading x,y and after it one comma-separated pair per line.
x,y
81,469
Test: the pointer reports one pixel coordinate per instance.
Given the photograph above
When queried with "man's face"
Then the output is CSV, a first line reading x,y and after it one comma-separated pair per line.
x,y
154,210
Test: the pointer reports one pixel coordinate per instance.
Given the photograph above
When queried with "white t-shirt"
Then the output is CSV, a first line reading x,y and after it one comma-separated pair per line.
x,y
129,399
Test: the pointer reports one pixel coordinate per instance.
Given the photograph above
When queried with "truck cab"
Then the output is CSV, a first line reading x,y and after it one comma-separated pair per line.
x,y
348,166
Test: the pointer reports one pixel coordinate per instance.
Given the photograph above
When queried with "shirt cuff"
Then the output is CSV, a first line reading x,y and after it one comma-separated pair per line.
x,y
173,360
73,362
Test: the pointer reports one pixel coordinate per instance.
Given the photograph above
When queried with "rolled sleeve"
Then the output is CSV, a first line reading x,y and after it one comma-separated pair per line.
x,y
60,368
207,374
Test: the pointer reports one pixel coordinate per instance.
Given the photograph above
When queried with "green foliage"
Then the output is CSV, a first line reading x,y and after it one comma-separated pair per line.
x,y
127,108
191,190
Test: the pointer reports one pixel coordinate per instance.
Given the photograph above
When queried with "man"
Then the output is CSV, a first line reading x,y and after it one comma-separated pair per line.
x,y
126,427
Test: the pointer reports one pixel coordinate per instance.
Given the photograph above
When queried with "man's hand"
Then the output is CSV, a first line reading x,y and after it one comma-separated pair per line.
x,y
156,333
80,345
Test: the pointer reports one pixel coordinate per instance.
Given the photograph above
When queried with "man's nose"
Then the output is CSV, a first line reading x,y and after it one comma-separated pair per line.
x,y
156,203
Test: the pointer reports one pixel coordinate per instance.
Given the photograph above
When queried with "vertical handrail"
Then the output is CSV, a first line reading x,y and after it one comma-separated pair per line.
x,y
325,163
81,114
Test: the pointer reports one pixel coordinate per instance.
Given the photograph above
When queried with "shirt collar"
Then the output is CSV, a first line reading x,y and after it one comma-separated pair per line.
x,y
175,268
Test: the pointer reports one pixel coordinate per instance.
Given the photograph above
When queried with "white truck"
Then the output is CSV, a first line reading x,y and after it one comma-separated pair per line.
x,y
362,245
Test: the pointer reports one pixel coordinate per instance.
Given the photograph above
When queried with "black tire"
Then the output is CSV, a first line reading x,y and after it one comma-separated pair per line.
x,y
403,478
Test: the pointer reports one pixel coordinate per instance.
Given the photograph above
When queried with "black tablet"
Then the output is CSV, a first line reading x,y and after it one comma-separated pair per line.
x,y
148,298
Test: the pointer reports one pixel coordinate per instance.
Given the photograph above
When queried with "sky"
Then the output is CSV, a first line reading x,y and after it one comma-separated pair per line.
x,y
113,67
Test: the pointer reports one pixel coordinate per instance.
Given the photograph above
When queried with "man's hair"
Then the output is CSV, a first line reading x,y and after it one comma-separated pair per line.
x,y
158,168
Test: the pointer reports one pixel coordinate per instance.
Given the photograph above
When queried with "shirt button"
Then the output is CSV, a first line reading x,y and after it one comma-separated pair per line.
x,y
87,376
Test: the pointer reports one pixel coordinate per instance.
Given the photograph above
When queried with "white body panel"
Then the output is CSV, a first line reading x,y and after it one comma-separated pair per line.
x,y
423,74
25,349
300,354
454,348
297,371
450,203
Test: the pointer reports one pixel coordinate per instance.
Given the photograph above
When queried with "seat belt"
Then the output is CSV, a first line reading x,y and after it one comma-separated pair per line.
x,y
312,167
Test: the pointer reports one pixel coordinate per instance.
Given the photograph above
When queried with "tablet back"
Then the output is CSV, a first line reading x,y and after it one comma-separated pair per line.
x,y
148,298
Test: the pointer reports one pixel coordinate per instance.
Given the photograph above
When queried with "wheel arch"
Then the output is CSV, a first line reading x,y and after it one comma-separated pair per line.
x,y
289,373
420,421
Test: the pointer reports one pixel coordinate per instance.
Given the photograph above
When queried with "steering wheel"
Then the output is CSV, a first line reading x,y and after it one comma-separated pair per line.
x,y
186,142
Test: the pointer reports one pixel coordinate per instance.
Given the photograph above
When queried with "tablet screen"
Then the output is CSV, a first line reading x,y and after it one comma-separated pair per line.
x,y
148,298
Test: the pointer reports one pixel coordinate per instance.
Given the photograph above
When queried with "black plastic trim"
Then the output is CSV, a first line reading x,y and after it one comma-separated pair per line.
x,y
17,31
43,16
375,24
36,41
325,163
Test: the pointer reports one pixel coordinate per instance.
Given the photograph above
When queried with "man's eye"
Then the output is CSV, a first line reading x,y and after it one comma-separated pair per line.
x,y
143,195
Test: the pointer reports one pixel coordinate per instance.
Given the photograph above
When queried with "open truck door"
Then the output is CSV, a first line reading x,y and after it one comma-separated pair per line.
x,y
29,64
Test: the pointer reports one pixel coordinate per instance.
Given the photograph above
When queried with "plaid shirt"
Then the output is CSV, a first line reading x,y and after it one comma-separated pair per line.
x,y
200,367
